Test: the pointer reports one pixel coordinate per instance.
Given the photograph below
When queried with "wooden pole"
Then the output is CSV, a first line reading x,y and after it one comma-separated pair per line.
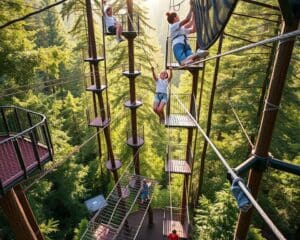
x,y
16,216
28,212
282,60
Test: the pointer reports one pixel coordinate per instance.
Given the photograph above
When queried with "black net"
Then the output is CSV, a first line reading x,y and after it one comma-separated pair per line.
x,y
211,16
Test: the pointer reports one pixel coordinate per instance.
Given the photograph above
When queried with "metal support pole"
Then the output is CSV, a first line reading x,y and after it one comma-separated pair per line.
x,y
281,64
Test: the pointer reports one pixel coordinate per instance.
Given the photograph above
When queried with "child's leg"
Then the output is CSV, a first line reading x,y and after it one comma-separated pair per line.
x,y
160,109
155,107
119,30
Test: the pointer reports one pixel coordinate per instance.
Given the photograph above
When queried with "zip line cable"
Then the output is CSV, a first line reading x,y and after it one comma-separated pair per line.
x,y
235,176
31,14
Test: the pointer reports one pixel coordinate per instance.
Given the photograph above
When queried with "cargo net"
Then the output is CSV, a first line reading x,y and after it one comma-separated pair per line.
x,y
211,17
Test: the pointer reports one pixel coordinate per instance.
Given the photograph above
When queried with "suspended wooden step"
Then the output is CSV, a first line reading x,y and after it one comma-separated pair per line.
x,y
96,121
25,145
90,83
178,159
124,20
176,219
87,57
170,60
134,138
176,115
110,222
113,165
131,74
138,103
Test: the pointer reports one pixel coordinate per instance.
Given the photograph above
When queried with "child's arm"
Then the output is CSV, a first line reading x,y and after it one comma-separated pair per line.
x,y
188,16
153,74
170,74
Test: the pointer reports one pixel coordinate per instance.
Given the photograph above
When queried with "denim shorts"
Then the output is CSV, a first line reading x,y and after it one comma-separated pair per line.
x,y
160,97
182,51
112,29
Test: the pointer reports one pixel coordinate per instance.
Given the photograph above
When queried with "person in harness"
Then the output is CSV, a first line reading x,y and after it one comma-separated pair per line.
x,y
161,92
179,31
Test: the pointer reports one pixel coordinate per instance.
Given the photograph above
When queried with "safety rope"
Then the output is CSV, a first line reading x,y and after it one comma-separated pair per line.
x,y
241,125
289,35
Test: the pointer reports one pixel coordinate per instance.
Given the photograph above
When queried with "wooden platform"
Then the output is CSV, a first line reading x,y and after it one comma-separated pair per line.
x,y
11,171
97,122
168,226
140,142
176,66
93,88
177,166
179,120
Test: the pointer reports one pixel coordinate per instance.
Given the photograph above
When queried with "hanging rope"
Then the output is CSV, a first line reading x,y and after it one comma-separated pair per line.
x,y
241,125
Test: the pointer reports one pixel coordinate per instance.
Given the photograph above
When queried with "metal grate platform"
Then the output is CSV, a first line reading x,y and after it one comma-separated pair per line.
x,y
179,120
177,166
111,221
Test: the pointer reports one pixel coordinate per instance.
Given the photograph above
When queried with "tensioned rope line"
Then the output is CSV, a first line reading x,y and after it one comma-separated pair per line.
x,y
234,176
73,151
241,125
285,36
42,83
40,87
31,14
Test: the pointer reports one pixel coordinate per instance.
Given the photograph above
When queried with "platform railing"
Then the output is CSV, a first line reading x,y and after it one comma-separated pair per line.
x,y
179,152
25,144
175,102
138,134
124,21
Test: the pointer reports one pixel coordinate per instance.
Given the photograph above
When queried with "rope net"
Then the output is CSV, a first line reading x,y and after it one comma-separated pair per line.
x,y
211,17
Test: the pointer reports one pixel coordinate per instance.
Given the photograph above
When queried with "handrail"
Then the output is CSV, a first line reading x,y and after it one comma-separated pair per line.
x,y
285,37
28,129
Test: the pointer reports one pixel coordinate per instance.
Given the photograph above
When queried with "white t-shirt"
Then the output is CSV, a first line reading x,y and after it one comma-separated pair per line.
x,y
162,85
110,21
176,30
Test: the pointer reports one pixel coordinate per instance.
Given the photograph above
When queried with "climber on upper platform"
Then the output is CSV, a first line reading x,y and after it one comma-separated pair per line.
x,y
179,31
112,25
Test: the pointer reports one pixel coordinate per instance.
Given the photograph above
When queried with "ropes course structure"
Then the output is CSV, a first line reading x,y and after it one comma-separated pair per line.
x,y
132,191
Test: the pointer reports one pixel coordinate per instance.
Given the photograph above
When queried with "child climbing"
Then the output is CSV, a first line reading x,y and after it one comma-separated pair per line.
x,y
179,31
145,191
112,25
161,92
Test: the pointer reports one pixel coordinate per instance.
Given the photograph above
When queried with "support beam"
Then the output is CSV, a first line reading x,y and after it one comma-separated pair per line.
x,y
16,216
28,212
278,78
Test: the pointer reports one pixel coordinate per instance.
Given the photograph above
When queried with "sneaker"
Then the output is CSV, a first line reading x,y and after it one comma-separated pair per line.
x,y
120,39
201,53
